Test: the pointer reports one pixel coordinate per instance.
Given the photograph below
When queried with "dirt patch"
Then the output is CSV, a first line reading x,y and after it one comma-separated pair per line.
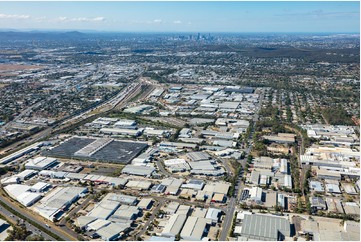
x,y
15,67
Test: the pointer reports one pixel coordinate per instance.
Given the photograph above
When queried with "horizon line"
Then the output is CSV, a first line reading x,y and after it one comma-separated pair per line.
x,y
87,31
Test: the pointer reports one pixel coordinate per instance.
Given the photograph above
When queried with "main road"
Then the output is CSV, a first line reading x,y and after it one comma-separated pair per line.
x,y
64,233
233,201
14,219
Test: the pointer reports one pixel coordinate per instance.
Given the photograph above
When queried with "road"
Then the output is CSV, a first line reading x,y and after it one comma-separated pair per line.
x,y
41,222
164,171
64,232
151,218
118,101
301,151
227,224
226,165
76,210
13,219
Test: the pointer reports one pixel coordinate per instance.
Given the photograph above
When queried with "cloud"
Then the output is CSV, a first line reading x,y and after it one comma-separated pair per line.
x,y
177,22
319,13
81,19
154,21
13,16
40,19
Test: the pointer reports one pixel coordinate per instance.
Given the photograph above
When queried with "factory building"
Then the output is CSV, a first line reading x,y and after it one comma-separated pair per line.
x,y
40,187
26,174
172,185
174,225
213,214
113,231
105,208
40,163
145,171
57,200
194,228
22,194
265,227
21,152
194,184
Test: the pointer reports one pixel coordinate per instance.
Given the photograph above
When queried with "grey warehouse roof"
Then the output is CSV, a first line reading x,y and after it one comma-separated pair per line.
x,y
265,227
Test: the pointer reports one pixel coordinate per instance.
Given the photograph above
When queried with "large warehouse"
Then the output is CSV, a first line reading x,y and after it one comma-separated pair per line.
x,y
22,194
276,228
40,163
53,204
101,149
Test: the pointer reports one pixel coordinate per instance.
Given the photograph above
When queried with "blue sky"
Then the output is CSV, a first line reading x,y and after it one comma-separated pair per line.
x,y
184,16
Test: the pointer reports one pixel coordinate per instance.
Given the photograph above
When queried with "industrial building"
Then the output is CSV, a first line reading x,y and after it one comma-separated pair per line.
x,y
21,152
265,227
317,203
194,184
171,208
120,131
137,109
145,203
158,188
194,228
53,205
125,122
139,185
41,163
40,187
10,180
213,214
22,194
316,186
174,225
26,174
198,156
125,213
105,208
217,187
165,146
172,185
113,231
281,138
145,171
100,150
176,165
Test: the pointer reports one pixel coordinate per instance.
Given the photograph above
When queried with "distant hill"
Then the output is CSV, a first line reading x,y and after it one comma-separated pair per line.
x,y
39,35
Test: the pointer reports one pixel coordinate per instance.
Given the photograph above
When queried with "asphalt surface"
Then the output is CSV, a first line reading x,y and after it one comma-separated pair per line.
x,y
64,232
233,201
76,210
228,219
151,218
13,218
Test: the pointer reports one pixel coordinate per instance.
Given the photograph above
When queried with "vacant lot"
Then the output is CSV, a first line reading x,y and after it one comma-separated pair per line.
x,y
9,69
15,67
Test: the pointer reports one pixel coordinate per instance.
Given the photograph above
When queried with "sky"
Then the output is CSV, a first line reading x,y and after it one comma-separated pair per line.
x,y
340,17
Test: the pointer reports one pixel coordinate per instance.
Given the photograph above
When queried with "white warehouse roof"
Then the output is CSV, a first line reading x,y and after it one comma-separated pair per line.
x,y
40,163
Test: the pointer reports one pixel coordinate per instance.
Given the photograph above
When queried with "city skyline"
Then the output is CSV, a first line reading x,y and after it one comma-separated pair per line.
x,y
342,17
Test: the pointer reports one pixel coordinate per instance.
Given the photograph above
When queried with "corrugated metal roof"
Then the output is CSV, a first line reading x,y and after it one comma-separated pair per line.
x,y
175,224
194,228
264,227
